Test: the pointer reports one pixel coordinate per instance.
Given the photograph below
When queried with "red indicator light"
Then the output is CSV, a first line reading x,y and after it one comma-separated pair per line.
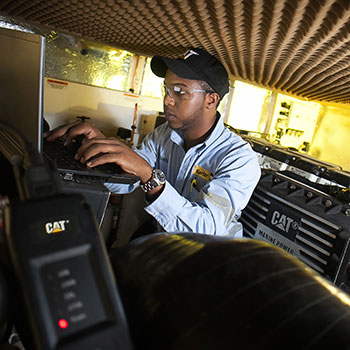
x,y
63,323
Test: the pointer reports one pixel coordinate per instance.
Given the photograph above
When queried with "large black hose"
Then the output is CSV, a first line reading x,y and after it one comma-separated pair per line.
x,y
192,291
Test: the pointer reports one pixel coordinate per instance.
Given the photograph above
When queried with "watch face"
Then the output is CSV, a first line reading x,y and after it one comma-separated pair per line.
x,y
159,175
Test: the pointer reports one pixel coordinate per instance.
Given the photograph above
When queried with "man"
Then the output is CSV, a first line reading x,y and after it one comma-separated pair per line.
x,y
197,175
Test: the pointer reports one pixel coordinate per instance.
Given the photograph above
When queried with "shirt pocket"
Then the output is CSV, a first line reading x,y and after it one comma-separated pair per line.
x,y
200,183
196,186
194,194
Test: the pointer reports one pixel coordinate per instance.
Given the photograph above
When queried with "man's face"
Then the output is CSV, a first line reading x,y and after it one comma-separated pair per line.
x,y
183,108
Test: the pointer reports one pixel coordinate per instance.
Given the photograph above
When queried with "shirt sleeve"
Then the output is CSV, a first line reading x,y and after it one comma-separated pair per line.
x,y
215,208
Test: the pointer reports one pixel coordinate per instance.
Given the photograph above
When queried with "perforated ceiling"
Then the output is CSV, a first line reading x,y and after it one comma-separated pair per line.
x,y
301,47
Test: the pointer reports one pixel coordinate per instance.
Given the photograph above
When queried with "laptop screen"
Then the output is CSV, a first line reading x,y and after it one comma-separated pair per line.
x,y
21,82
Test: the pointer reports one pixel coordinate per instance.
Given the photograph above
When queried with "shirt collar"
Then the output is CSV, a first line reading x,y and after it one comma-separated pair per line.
x,y
217,131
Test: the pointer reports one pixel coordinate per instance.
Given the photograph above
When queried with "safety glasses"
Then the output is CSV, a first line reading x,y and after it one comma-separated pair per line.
x,y
181,93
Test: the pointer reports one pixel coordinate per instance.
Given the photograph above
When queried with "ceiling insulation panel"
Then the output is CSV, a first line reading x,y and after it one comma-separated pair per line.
x,y
299,47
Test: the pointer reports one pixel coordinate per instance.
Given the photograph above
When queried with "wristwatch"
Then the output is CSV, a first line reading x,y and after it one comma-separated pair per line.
x,y
157,179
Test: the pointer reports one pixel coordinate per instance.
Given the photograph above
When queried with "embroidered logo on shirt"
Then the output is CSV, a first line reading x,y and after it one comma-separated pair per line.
x,y
201,172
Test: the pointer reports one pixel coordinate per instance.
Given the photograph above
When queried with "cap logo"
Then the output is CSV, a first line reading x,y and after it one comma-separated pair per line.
x,y
189,53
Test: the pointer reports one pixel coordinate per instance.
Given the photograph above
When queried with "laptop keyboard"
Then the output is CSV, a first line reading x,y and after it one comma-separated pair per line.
x,y
62,155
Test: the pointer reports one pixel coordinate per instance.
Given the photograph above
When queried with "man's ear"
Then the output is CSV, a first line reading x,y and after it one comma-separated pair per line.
x,y
212,100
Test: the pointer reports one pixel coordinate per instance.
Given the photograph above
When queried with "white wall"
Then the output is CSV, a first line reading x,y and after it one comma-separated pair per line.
x,y
108,109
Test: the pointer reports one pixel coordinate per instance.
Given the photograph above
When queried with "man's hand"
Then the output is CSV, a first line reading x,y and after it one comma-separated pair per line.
x,y
73,130
97,151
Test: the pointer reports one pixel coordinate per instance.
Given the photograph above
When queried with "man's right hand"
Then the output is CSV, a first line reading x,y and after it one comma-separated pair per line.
x,y
73,130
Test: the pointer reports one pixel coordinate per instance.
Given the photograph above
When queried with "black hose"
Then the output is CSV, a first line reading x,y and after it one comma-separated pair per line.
x,y
193,291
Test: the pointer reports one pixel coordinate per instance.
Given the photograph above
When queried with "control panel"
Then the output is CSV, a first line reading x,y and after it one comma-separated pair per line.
x,y
68,290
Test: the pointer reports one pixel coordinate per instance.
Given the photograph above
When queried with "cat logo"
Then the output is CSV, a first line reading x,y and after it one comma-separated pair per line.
x,y
283,222
56,226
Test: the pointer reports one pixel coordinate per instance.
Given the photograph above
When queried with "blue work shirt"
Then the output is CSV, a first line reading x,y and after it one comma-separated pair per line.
x,y
206,187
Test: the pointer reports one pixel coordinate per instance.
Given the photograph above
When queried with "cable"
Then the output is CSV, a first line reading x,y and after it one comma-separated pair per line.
x,y
35,177
14,142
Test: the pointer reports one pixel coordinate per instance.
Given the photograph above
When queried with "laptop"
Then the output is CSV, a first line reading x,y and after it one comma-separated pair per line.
x,y
71,168
21,106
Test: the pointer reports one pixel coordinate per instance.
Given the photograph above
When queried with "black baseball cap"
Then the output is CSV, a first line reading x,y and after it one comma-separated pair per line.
x,y
196,64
